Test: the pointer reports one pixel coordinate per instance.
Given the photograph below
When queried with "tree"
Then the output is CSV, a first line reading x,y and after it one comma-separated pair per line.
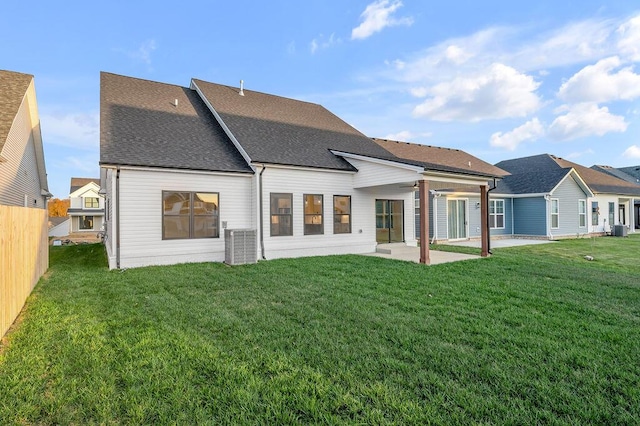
x,y
58,207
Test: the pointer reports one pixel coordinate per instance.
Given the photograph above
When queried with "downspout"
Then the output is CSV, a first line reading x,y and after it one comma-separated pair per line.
x,y
488,214
436,195
261,214
513,223
118,217
547,199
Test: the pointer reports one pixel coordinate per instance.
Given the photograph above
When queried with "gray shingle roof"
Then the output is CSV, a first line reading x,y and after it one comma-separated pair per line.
x,y
77,183
278,130
13,86
141,126
615,173
633,171
530,175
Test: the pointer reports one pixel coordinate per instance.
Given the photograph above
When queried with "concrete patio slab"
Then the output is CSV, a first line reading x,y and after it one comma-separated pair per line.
x,y
412,254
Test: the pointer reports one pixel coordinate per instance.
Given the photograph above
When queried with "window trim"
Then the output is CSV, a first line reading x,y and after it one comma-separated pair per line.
x,y
191,216
495,214
85,199
335,215
272,214
81,222
595,213
582,214
557,214
312,215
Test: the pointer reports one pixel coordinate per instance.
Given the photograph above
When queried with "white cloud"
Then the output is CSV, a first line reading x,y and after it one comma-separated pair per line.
x,y
77,130
582,120
529,131
579,154
456,55
599,83
377,16
629,42
498,92
406,135
143,53
633,152
321,42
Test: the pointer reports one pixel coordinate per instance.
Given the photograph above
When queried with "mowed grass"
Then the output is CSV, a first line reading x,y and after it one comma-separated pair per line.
x,y
532,335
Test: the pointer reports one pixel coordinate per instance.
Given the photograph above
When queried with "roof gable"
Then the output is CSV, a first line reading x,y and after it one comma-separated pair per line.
x,y
278,130
146,123
600,182
77,183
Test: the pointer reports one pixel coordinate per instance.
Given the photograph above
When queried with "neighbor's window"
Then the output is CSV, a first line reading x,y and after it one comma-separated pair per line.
x,y
313,223
582,213
91,203
555,213
496,214
341,214
190,215
612,214
281,214
595,211
86,222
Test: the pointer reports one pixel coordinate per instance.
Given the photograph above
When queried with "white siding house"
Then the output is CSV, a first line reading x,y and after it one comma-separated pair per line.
x,y
23,177
86,206
181,165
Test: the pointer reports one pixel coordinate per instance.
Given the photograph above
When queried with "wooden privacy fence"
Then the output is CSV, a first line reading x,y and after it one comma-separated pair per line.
x,y
24,257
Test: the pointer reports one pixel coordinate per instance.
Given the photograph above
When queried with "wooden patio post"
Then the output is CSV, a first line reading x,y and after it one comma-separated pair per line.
x,y
423,190
484,221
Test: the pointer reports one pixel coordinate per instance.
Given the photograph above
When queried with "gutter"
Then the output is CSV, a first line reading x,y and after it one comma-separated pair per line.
x,y
261,214
495,185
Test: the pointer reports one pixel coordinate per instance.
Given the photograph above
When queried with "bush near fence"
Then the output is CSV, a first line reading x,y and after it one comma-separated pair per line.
x,y
24,258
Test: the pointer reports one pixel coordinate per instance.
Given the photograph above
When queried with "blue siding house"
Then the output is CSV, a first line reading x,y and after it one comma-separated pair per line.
x,y
548,199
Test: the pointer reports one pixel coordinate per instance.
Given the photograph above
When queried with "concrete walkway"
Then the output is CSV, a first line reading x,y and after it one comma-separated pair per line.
x,y
412,254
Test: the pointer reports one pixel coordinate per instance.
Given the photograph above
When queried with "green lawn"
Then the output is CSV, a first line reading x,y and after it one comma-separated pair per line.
x,y
532,335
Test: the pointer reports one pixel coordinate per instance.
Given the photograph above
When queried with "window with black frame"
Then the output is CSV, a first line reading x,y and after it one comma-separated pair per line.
x,y
313,206
187,215
281,214
341,214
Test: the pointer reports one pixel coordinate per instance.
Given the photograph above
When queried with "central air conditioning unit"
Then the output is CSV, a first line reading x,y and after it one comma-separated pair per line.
x,y
240,246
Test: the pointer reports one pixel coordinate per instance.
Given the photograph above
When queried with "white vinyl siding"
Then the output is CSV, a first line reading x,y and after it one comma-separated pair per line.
x,y
19,177
298,182
141,242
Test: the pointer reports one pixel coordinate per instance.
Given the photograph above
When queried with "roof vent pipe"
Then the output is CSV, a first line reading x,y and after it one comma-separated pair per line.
x,y
175,102
241,93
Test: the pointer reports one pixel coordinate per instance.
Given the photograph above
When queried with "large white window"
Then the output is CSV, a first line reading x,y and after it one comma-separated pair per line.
x,y
496,214
555,213
582,213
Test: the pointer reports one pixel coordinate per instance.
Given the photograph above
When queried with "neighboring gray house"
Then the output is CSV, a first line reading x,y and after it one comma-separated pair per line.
x,y
180,166
23,177
543,198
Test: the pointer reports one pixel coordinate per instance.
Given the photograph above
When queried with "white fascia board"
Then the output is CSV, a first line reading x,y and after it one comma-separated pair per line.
x,y
375,160
532,195
455,178
309,169
88,187
226,129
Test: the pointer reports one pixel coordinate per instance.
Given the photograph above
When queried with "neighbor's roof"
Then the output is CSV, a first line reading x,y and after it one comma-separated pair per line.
x,y
13,87
77,183
276,130
615,172
537,174
441,159
599,182
633,171
140,125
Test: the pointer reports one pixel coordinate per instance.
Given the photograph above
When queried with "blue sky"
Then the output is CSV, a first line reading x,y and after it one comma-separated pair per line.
x,y
498,79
